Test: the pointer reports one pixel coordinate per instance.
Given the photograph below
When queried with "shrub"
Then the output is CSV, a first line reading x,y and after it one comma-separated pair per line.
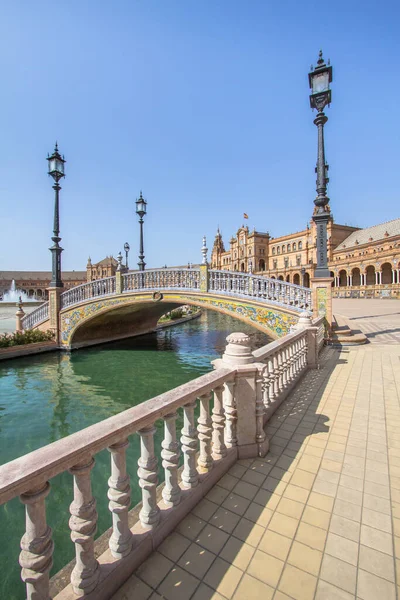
x,y
31,336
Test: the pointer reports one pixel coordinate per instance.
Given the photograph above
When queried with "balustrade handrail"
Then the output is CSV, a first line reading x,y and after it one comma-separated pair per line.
x,y
41,313
77,294
269,349
45,463
261,278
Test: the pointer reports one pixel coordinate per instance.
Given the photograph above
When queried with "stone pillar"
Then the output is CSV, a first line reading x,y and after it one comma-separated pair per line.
x,y
54,311
322,298
249,438
18,317
204,278
118,282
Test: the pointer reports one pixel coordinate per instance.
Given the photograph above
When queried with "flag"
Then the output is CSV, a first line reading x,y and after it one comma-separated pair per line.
x,y
245,216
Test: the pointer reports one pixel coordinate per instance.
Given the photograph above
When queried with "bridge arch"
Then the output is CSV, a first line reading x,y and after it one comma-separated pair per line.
x,y
138,313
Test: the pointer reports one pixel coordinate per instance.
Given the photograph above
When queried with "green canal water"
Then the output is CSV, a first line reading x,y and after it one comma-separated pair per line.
x,y
50,396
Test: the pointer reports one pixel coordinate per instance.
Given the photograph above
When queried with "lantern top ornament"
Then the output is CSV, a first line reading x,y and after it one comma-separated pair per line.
x,y
56,164
319,79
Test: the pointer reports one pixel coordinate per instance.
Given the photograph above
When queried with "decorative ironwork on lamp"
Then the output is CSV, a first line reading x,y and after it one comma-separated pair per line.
x,y
56,170
141,210
319,79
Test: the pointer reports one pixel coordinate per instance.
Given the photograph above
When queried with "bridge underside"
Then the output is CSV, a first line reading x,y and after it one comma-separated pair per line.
x,y
131,314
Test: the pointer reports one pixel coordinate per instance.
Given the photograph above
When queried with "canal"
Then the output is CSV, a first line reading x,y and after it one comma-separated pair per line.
x,y
50,396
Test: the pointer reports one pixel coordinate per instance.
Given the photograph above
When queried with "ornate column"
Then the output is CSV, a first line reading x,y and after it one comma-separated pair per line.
x,y
147,472
204,428
190,477
218,423
83,525
170,455
119,494
36,545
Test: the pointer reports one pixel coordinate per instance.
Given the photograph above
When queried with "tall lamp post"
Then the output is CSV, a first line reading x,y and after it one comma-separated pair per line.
x,y
126,248
141,211
56,170
319,79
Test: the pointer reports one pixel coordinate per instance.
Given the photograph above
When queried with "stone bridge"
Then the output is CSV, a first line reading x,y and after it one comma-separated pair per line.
x,y
131,303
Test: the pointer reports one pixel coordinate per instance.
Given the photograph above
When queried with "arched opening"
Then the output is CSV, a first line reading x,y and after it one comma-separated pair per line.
x,y
39,293
296,279
356,276
370,275
242,267
332,274
273,277
31,293
261,264
342,278
306,280
280,277
386,273
287,278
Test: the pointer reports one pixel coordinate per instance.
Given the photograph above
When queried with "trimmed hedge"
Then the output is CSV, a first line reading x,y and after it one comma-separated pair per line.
x,y
31,336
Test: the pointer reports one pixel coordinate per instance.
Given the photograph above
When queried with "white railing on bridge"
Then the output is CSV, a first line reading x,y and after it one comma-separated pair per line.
x,y
210,443
261,288
239,285
88,291
164,279
37,316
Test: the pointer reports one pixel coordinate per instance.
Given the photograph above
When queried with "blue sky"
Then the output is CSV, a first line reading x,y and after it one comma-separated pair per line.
x,y
202,104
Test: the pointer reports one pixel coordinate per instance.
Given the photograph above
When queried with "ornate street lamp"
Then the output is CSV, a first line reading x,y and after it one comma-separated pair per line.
x,y
319,80
56,170
126,248
141,211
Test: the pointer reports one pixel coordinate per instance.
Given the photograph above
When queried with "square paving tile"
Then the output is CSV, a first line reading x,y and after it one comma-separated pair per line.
x,y
275,544
339,573
224,519
236,504
371,587
305,558
212,538
178,585
265,567
253,589
154,569
237,553
196,560
297,584
223,577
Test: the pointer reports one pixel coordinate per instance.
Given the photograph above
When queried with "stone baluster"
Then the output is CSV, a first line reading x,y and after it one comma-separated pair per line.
x,y
119,494
204,428
190,476
170,455
292,361
284,367
303,352
83,525
218,423
36,545
279,367
260,410
276,374
269,397
147,473
231,414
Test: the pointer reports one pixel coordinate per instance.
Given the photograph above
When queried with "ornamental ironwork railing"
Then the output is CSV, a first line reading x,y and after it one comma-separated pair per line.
x,y
37,316
261,288
166,279
87,291
211,440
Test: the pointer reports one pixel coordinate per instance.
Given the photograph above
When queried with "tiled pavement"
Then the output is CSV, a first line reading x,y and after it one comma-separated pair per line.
x,y
318,518
378,319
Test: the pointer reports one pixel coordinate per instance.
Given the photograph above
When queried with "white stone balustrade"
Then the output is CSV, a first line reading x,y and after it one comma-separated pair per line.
x,y
247,387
